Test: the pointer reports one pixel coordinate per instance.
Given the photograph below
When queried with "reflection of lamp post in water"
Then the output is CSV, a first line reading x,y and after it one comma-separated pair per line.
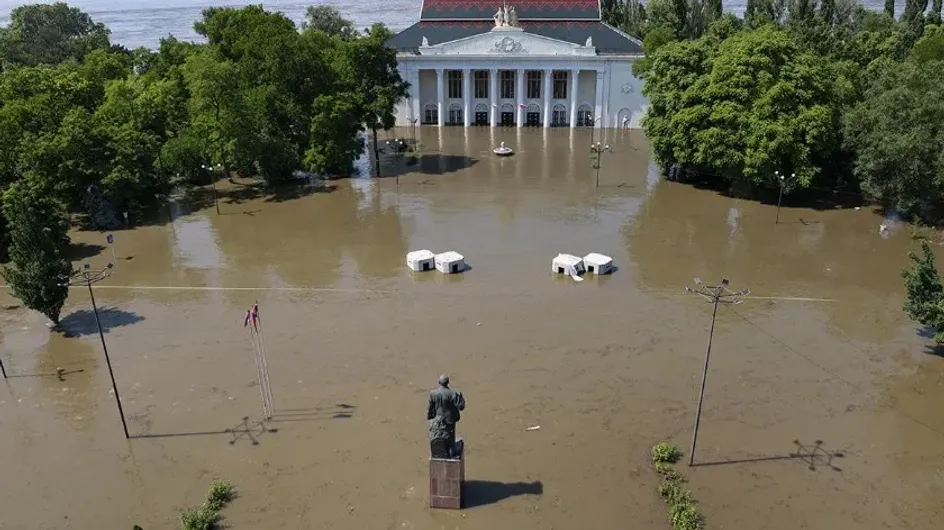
x,y
783,184
598,148
593,130
716,294
209,170
88,276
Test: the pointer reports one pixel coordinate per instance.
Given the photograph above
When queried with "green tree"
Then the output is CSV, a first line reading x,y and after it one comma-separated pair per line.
x,y
934,17
681,9
335,128
896,135
890,8
634,18
327,19
742,108
930,47
655,38
50,34
924,295
661,13
39,237
715,9
375,80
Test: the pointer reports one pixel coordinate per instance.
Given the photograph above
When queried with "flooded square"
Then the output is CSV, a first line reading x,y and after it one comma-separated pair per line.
x,y
820,360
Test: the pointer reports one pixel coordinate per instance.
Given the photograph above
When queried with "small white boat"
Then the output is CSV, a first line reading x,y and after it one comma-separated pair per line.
x,y
503,150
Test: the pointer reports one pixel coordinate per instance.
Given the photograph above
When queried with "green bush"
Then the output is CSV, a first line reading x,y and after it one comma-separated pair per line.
x,y
200,518
685,516
668,472
221,492
665,452
205,517
675,493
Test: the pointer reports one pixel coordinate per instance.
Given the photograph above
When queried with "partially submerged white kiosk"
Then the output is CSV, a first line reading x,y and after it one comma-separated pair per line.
x,y
421,260
598,263
450,262
567,264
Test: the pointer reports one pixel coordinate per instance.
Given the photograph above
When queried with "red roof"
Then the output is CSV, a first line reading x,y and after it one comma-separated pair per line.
x,y
526,9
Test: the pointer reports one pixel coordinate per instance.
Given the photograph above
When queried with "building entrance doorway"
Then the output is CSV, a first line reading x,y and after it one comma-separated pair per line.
x,y
508,119
533,119
481,118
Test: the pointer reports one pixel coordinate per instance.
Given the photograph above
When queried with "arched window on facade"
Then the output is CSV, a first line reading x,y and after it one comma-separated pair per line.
x,y
481,114
624,118
559,116
584,116
455,114
532,116
506,114
430,114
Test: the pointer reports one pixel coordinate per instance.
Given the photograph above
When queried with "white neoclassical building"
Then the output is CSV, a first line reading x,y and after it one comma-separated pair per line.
x,y
541,63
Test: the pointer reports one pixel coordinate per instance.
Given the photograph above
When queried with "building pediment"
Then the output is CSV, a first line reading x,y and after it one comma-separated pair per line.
x,y
508,41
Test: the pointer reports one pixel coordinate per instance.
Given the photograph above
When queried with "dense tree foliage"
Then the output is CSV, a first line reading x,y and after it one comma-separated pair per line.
x,y
741,108
924,295
104,131
828,90
260,98
50,34
897,135
39,229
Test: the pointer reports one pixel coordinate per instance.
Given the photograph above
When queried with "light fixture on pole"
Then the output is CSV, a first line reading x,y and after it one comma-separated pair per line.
x,y
88,276
598,149
716,294
783,183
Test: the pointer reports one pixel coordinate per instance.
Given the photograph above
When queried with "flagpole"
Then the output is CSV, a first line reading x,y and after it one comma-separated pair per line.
x,y
265,357
263,377
255,358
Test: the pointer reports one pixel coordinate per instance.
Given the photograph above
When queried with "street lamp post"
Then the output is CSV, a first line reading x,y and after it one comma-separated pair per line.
x,y
716,294
88,277
783,183
598,149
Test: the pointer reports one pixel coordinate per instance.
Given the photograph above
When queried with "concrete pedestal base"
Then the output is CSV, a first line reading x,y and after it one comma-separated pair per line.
x,y
446,482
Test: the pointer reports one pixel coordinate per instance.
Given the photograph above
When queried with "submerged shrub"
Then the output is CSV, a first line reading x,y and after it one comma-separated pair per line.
x,y
665,452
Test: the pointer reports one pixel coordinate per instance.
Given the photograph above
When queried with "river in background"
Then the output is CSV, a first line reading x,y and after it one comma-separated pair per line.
x,y
822,407
136,23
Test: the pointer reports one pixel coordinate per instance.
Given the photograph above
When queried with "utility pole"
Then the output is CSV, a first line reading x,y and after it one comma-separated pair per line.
x,y
716,294
598,149
88,277
783,183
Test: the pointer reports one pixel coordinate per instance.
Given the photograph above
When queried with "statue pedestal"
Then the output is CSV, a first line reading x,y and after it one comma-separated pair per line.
x,y
447,481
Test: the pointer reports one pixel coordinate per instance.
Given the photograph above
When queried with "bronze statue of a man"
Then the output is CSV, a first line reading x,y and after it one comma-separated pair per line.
x,y
442,414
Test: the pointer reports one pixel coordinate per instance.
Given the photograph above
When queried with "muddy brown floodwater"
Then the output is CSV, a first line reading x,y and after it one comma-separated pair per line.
x,y
606,367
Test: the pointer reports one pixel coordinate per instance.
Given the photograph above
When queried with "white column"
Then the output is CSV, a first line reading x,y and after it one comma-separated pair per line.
x,y
519,91
598,111
466,97
439,95
574,76
415,93
547,97
493,97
